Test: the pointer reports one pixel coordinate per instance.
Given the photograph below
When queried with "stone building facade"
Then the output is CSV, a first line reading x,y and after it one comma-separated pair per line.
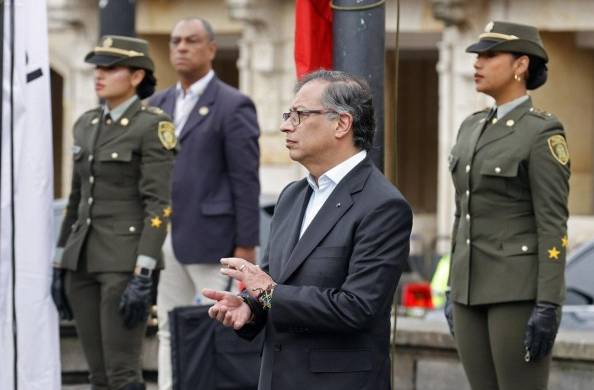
x,y
435,85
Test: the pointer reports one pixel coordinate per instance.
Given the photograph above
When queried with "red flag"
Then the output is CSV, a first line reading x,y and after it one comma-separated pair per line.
x,y
313,35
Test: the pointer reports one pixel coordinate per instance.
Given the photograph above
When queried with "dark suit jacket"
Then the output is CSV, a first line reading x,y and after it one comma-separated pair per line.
x,y
215,185
510,231
329,325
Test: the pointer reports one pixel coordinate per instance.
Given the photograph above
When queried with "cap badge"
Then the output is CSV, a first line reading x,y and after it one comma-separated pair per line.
x,y
489,27
107,42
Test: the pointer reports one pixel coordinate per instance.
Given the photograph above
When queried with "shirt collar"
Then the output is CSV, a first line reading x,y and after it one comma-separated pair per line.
x,y
337,173
198,87
118,111
506,108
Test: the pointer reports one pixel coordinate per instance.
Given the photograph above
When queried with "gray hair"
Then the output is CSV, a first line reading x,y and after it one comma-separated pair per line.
x,y
347,93
205,23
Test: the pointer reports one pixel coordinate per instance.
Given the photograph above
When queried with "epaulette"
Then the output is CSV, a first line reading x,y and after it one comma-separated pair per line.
x,y
540,113
153,110
484,110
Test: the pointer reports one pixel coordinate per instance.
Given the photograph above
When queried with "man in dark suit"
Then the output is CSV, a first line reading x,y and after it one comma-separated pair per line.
x,y
338,242
215,185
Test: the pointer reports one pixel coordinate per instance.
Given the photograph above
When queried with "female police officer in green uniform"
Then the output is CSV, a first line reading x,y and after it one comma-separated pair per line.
x,y
117,214
510,167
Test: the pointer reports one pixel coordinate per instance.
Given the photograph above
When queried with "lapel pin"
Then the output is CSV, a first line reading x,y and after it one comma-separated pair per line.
x,y
124,122
338,204
95,121
203,110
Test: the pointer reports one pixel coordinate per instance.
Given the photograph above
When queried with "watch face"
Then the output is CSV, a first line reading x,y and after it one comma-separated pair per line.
x,y
145,272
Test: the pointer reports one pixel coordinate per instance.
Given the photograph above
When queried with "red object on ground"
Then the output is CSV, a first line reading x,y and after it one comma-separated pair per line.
x,y
313,36
417,295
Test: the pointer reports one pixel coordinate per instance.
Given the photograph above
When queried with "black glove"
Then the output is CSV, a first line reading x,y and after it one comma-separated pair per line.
x,y
59,294
448,310
136,300
541,331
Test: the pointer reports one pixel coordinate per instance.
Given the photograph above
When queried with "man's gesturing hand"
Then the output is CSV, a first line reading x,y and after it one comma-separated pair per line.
x,y
253,278
228,309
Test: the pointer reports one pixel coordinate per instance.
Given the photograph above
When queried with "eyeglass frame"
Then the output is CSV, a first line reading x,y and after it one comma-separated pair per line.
x,y
288,115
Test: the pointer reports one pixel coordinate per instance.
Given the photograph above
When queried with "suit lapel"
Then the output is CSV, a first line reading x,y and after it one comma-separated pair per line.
x,y
169,102
504,126
115,130
202,109
292,228
94,130
339,202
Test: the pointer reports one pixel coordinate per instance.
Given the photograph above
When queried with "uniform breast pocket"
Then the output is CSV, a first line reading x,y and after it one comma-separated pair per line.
x,y
502,176
117,164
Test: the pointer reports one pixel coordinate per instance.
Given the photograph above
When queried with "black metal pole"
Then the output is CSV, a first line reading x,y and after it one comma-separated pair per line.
x,y
359,40
117,17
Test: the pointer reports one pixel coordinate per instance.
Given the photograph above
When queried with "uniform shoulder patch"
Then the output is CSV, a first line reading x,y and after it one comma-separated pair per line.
x,y
166,133
558,147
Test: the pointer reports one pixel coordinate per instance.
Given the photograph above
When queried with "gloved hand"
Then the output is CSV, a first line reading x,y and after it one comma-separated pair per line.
x,y
136,300
541,331
448,310
59,294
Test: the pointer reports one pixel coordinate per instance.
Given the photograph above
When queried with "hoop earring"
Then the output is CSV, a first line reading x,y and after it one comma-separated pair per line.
x,y
517,78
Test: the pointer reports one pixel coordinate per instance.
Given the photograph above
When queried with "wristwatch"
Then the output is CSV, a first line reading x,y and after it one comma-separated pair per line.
x,y
265,296
143,271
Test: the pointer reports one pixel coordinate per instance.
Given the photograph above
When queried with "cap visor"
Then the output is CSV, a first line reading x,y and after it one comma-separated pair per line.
x,y
482,46
102,59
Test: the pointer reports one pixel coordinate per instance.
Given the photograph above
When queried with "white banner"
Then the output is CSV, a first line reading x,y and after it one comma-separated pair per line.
x,y
26,162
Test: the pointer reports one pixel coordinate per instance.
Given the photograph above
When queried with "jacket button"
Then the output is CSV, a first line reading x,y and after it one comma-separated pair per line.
x,y
467,168
132,229
467,192
468,241
114,155
88,221
91,179
90,157
524,248
90,200
468,217
497,170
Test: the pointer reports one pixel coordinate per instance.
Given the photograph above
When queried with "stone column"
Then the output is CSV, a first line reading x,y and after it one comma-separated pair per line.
x,y
72,29
457,97
267,75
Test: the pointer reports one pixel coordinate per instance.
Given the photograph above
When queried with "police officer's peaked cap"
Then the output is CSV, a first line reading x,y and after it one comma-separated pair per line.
x,y
115,50
511,38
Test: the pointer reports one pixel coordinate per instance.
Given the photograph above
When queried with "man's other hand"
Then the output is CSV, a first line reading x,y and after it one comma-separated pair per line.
x,y
229,309
253,278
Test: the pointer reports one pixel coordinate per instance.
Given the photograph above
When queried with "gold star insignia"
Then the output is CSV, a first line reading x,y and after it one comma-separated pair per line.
x,y
564,241
156,222
554,253
167,211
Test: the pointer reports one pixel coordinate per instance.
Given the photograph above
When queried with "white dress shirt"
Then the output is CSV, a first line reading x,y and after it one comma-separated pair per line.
x,y
325,186
186,100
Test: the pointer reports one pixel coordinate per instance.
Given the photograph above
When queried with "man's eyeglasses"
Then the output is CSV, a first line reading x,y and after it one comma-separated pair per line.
x,y
295,116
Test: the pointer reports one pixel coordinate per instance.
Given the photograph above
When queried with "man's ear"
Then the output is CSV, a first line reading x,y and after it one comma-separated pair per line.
x,y
344,125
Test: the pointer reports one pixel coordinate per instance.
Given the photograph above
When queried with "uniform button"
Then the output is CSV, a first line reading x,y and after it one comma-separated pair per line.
x,y
114,155
467,193
108,121
468,241
132,229
90,157
494,121
91,179
90,200
468,217
88,221
497,170
510,122
524,248
467,168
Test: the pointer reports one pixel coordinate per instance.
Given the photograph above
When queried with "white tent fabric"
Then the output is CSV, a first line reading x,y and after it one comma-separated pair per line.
x,y
26,95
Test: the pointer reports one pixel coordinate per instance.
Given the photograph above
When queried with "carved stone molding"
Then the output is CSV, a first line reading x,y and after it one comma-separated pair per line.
x,y
451,12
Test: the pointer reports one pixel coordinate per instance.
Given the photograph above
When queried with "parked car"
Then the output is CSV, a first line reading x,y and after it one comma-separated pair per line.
x,y
578,308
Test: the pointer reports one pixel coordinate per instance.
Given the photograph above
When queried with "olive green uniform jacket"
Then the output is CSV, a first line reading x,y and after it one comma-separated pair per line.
x,y
119,201
512,181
